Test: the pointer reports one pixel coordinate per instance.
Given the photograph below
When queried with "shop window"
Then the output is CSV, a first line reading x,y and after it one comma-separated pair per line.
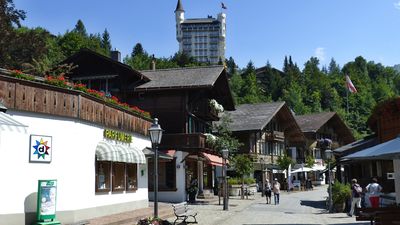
x,y
166,175
103,170
131,177
116,176
118,181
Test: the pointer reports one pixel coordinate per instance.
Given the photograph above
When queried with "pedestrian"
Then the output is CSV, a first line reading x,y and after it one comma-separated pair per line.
x,y
356,192
373,190
276,190
268,191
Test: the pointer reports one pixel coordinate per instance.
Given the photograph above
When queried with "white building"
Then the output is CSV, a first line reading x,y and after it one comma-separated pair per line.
x,y
99,170
201,38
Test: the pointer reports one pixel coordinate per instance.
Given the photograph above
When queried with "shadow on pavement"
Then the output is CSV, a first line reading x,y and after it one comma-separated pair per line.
x,y
314,204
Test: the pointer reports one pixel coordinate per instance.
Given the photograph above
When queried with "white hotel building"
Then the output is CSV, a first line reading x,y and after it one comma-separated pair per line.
x,y
201,38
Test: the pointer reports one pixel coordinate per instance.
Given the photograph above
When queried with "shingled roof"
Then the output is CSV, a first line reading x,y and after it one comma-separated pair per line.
x,y
253,116
313,122
189,78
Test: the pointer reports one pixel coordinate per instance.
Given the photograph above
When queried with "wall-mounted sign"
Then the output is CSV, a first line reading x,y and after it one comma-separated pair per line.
x,y
40,148
117,135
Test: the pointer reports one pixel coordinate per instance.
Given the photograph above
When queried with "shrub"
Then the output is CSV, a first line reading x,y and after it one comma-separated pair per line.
x,y
340,192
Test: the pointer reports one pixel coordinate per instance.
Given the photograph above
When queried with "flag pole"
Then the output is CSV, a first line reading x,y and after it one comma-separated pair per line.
x,y
347,100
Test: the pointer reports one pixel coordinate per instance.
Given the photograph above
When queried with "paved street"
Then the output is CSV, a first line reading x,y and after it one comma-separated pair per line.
x,y
306,207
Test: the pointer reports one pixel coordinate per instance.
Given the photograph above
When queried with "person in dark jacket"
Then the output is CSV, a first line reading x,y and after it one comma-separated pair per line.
x,y
356,192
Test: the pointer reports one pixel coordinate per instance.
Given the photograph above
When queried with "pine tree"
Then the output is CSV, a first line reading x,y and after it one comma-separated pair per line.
x,y
80,28
106,42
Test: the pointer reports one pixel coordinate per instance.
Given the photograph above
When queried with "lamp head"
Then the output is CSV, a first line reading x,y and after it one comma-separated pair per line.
x,y
155,132
328,154
225,153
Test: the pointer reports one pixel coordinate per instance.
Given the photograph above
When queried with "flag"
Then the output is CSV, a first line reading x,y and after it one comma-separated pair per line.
x,y
223,5
350,85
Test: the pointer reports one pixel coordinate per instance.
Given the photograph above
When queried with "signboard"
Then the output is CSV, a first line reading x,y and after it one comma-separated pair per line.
x,y
117,135
46,201
40,149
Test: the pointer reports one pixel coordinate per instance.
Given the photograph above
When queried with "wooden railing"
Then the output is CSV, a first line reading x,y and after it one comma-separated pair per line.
x,y
274,136
185,141
203,110
38,97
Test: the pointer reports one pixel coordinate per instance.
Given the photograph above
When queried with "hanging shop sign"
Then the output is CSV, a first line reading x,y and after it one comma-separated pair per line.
x,y
117,135
40,148
46,202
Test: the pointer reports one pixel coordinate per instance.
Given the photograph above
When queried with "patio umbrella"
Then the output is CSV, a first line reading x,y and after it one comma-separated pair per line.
x,y
387,150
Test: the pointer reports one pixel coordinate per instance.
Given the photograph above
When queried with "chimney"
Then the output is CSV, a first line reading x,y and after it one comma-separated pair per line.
x,y
115,55
153,63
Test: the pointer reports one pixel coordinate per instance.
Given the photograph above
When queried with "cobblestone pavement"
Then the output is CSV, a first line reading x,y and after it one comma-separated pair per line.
x,y
305,207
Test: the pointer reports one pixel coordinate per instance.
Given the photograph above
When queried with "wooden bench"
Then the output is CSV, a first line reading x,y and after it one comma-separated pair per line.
x,y
182,212
382,215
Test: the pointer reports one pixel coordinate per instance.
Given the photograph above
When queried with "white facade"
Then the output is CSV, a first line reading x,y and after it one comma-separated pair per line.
x,y
73,165
203,39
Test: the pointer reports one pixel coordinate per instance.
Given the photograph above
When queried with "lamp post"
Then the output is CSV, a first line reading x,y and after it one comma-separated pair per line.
x,y
155,137
262,177
225,155
328,155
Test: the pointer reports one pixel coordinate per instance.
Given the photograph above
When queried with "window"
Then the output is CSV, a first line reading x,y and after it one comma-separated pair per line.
x,y
131,177
166,177
118,181
116,176
103,176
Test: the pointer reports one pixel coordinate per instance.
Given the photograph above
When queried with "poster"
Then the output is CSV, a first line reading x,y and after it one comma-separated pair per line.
x,y
46,202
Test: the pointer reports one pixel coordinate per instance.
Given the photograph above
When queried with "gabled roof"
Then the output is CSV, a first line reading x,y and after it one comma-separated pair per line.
x,y
253,116
313,122
103,63
181,78
358,145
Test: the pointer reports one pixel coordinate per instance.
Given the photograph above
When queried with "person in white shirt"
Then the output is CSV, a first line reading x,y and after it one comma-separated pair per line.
x,y
277,190
373,190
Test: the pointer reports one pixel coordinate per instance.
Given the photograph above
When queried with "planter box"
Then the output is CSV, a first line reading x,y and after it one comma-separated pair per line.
x,y
234,190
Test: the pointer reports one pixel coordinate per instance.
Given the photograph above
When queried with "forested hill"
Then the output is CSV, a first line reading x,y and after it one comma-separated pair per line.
x,y
316,89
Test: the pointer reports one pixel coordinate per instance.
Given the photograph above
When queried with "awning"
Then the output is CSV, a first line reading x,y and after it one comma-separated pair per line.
x,y
304,169
8,123
386,151
149,153
213,159
106,151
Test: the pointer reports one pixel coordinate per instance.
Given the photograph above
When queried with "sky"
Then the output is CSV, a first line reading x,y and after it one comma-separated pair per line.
x,y
258,30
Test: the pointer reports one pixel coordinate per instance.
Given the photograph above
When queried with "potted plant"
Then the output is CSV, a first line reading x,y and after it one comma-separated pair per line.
x,y
340,194
153,221
234,186
192,191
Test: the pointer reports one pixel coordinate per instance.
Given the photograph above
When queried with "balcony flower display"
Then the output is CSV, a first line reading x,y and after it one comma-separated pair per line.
x,y
21,75
215,105
211,139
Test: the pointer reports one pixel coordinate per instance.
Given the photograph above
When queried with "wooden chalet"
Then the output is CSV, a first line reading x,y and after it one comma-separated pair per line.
x,y
323,131
384,122
267,130
181,99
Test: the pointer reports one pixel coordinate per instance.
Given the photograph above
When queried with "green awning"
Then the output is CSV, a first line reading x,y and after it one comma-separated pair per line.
x,y
106,151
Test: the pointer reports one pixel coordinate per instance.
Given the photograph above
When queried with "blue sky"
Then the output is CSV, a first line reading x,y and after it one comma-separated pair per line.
x,y
257,30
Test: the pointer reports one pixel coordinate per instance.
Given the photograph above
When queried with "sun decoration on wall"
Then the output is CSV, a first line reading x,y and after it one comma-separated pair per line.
x,y
41,148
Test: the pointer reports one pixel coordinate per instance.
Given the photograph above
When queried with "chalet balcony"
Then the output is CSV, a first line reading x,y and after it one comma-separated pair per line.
x,y
274,136
185,142
37,97
203,110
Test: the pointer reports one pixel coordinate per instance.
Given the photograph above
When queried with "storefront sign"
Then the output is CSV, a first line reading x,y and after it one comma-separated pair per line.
x,y
46,201
118,136
40,149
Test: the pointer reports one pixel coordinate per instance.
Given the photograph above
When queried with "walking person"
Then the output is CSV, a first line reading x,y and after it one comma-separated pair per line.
x,y
277,190
268,191
373,190
356,192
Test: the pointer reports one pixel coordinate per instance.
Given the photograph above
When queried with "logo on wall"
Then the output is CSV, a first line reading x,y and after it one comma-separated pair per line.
x,y
40,148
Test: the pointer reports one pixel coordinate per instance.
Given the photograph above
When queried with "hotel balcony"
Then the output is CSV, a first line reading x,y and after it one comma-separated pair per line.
x,y
274,136
186,142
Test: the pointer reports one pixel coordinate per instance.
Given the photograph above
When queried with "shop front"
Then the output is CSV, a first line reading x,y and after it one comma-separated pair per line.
x,y
97,174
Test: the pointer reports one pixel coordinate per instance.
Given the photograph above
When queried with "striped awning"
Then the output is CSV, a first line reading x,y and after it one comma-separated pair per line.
x,y
8,123
106,151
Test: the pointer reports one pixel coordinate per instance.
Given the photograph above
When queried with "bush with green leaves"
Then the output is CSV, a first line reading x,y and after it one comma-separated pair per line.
x,y
340,192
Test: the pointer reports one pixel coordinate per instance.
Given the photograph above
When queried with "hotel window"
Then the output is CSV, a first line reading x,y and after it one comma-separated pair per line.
x,y
103,171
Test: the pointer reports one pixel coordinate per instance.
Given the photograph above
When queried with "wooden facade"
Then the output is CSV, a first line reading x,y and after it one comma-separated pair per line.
x,y
385,120
31,96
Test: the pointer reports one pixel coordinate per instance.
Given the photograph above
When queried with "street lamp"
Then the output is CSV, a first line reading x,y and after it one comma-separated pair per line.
x,y
225,155
262,177
155,137
328,155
